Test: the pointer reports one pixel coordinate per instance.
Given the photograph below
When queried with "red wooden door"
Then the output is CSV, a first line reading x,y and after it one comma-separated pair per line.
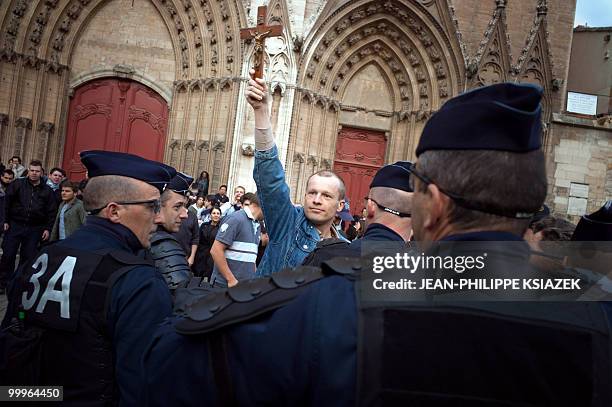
x,y
116,115
359,154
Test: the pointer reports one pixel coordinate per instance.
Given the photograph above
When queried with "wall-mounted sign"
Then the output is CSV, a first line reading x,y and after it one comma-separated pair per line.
x,y
581,103
579,190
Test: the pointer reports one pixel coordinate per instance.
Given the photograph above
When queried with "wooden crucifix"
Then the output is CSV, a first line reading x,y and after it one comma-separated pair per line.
x,y
259,33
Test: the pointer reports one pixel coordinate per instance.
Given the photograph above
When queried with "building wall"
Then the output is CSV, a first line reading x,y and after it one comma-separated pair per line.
x,y
579,165
334,62
591,65
118,33
186,50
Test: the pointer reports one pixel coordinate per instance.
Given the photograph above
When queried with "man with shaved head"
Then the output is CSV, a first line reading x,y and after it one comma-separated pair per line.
x,y
89,304
388,209
293,231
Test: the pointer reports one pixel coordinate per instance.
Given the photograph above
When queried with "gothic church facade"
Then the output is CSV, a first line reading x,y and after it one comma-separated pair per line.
x,y
353,82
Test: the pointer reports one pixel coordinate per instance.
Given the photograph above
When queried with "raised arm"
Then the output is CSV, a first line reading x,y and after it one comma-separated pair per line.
x,y
268,173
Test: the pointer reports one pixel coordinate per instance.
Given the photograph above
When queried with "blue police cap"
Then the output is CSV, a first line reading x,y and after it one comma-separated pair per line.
x,y
345,215
396,176
100,163
503,117
596,226
540,214
180,183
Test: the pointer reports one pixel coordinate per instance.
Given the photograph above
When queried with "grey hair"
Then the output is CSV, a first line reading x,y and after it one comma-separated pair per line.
x,y
497,180
392,198
110,188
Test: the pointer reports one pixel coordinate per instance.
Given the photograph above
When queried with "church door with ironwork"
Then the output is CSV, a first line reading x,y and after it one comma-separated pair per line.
x,y
116,115
359,154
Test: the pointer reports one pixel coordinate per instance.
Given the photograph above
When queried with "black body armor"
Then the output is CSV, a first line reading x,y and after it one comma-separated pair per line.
x,y
63,299
169,259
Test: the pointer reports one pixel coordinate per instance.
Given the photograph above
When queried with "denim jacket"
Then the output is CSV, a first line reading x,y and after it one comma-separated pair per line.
x,y
292,236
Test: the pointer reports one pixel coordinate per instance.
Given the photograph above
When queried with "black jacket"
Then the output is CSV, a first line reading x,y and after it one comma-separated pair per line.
x,y
30,205
203,265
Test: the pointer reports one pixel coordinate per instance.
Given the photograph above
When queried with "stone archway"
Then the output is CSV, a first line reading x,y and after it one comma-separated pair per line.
x,y
114,114
420,64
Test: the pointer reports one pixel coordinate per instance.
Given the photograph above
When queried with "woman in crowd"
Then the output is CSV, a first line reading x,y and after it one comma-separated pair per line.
x,y
202,183
203,265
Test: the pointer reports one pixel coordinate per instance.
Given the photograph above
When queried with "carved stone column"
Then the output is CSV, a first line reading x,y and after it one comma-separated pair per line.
x,y
45,131
4,135
202,157
296,176
217,170
23,126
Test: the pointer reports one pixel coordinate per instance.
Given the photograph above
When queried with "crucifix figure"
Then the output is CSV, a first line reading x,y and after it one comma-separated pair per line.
x,y
259,33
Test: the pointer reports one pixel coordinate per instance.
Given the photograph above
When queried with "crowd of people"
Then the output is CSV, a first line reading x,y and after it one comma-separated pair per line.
x,y
48,220
171,295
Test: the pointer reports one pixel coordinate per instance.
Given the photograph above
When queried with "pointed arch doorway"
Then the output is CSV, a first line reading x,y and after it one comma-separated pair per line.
x,y
117,115
360,153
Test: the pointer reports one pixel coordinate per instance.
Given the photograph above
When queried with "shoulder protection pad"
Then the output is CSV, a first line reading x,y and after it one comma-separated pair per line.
x,y
166,248
246,300
331,242
129,258
343,265
160,236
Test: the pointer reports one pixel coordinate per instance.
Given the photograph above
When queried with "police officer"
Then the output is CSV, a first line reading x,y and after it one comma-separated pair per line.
x,y
88,304
596,226
307,337
166,250
388,219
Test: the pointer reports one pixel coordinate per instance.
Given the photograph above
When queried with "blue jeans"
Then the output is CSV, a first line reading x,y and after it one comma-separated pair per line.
x,y
218,282
20,238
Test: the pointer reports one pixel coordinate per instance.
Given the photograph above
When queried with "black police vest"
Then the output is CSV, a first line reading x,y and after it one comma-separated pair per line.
x,y
485,355
66,293
472,354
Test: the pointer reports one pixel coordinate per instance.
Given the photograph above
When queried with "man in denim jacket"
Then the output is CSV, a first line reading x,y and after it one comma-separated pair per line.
x,y
294,231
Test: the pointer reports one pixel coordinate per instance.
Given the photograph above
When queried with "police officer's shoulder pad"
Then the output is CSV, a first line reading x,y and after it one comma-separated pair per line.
x,y
247,300
343,265
99,163
334,241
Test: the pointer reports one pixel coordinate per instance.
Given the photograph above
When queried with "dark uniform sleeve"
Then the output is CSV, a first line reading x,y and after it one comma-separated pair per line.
x,y
302,353
140,302
51,208
195,231
11,194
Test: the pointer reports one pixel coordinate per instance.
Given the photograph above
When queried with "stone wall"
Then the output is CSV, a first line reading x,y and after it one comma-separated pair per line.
x,y
579,166
419,53
120,33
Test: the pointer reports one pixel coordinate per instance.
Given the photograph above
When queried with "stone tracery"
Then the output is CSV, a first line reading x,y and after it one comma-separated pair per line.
x,y
416,46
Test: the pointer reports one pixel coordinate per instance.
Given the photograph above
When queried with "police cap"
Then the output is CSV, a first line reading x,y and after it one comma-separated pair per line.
x,y
503,117
396,176
540,214
596,226
100,163
180,183
345,215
